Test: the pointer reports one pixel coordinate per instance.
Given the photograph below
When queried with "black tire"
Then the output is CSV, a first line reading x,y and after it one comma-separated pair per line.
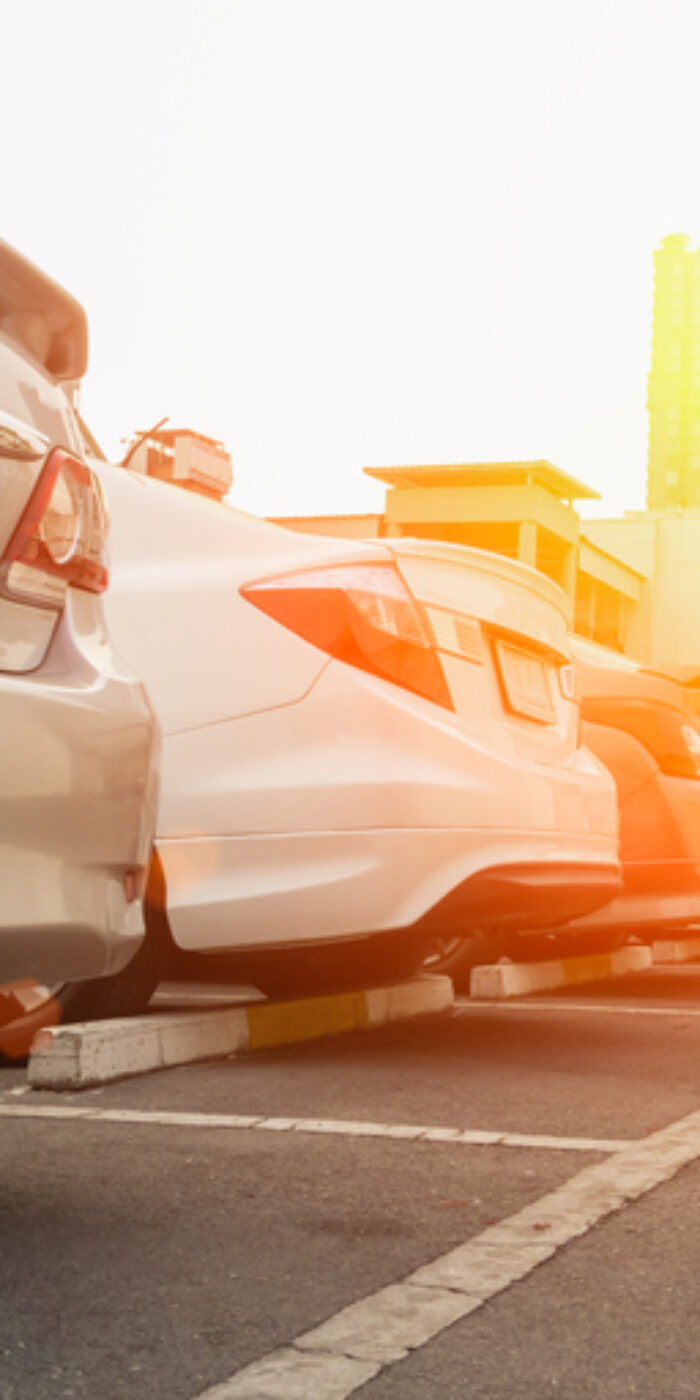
x,y
456,956
295,972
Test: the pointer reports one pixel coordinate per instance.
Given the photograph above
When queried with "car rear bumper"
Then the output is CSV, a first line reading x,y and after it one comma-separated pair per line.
x,y
522,896
78,752
358,810
248,892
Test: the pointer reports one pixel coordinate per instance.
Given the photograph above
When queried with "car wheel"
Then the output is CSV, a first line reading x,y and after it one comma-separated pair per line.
x,y
457,956
124,994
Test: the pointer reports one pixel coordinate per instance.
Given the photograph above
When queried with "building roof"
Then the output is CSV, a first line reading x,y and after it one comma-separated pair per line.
x,y
540,473
168,437
614,558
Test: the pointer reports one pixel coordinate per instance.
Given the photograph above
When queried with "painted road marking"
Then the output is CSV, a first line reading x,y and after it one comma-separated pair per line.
x,y
603,1008
337,1127
353,1346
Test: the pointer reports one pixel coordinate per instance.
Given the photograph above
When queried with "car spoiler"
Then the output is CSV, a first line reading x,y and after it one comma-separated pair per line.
x,y
41,316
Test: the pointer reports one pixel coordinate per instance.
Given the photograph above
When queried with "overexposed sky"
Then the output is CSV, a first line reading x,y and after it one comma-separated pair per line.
x,y
369,232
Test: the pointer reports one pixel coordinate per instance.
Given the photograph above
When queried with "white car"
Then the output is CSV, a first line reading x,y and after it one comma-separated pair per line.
x,y
78,737
366,746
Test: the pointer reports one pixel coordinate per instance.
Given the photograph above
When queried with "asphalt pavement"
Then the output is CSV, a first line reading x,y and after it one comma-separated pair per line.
x,y
146,1252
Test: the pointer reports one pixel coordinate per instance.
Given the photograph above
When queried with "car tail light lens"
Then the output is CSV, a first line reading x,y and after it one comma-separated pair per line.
x,y
60,539
362,614
692,742
667,733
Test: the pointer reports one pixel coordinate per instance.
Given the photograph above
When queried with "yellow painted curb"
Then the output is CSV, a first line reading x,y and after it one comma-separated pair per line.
x,y
674,951
502,981
282,1023
80,1056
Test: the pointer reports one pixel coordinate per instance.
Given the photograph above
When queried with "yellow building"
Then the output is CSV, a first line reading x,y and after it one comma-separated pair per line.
x,y
664,629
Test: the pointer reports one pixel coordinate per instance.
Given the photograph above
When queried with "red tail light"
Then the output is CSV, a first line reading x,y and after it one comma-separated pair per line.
x,y
60,539
362,614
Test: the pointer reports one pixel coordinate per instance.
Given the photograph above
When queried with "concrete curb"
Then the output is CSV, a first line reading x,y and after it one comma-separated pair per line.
x,y
675,951
86,1054
505,980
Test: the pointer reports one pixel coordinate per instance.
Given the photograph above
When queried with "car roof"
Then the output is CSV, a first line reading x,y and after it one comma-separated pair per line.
x,y
42,317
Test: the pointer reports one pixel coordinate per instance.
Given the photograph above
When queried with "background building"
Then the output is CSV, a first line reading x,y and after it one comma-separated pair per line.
x,y
633,582
673,400
663,630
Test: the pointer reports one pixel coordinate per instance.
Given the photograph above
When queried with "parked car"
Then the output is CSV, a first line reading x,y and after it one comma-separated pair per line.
x,y
368,748
643,725
79,743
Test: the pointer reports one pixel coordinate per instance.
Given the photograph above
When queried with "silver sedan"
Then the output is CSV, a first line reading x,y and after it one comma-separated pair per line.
x,y
79,744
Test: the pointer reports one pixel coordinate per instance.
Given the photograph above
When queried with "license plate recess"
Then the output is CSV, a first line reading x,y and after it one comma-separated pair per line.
x,y
526,682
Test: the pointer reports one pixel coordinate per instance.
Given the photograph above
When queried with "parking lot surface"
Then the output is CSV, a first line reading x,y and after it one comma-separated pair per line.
x,y
185,1234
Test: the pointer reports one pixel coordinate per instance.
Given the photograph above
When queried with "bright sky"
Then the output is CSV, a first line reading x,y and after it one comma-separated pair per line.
x,y
336,233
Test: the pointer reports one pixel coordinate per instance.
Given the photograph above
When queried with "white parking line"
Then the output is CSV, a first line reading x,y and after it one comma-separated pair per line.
x,y
337,1358
464,1007
336,1127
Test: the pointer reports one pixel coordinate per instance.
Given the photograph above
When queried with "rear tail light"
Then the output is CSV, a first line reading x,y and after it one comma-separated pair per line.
x,y
666,733
692,743
60,539
362,614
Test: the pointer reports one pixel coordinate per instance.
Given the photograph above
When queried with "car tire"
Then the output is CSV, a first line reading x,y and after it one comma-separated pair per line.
x,y
456,956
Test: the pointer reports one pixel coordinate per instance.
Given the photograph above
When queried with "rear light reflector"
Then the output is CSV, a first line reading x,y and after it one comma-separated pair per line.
x,y
362,614
134,883
61,536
